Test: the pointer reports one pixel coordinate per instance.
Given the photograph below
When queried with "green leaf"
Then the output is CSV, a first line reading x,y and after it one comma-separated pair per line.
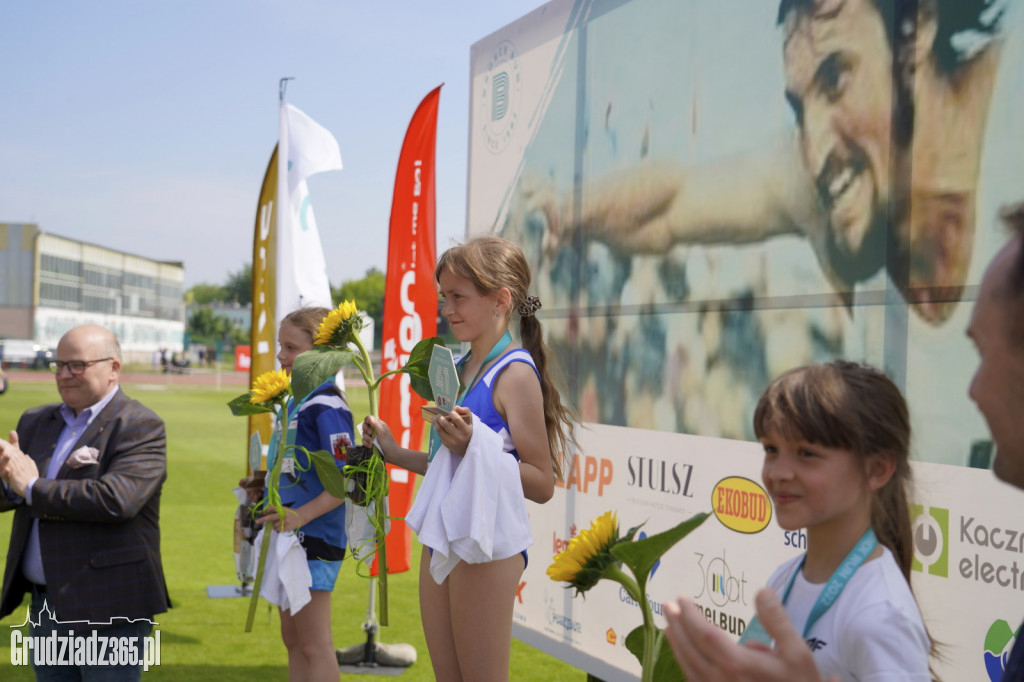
x,y
422,387
641,555
418,364
241,407
666,668
314,367
417,367
419,358
327,469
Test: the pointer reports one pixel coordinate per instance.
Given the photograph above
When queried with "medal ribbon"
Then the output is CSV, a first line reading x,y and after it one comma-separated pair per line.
x,y
829,594
495,353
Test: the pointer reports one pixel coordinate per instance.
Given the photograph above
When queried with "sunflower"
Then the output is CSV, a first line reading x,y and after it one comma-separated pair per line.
x,y
584,561
269,386
339,326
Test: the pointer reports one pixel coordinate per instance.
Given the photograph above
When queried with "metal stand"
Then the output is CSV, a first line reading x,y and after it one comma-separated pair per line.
x,y
228,591
373,657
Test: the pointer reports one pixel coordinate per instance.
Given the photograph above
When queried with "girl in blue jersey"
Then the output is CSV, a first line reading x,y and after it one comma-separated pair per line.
x,y
836,443
321,421
467,619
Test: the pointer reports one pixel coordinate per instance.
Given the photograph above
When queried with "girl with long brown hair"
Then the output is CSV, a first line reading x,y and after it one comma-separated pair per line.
x,y
467,615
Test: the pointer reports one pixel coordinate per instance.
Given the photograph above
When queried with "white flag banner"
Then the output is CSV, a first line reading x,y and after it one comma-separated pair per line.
x,y
301,268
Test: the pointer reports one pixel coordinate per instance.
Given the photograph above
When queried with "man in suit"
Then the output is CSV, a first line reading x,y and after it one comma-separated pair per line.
x,y
84,479
997,330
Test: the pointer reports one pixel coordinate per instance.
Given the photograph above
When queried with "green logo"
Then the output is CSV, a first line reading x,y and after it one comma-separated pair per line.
x,y
999,641
930,527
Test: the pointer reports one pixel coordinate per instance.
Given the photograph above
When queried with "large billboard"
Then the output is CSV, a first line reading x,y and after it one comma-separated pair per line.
x,y
712,192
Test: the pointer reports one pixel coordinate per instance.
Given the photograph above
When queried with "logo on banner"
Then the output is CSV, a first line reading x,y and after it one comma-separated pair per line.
x,y
560,544
559,622
979,539
660,476
795,538
611,637
741,505
594,473
498,111
999,641
719,583
930,526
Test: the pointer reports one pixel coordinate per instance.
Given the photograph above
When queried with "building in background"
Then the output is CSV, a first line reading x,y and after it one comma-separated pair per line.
x,y
49,284
238,315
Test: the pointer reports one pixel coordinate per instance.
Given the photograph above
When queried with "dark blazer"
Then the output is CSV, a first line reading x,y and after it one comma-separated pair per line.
x,y
99,529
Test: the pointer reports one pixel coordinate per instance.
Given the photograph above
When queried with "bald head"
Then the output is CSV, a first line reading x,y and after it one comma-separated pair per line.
x,y
95,351
997,329
96,336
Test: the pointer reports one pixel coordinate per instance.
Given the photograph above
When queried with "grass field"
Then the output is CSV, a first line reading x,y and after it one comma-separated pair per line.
x,y
203,638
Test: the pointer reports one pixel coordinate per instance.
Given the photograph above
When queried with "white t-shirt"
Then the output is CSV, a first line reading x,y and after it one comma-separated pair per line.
x,y
872,633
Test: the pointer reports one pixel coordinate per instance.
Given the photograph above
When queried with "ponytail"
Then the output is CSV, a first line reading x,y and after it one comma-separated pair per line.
x,y
559,420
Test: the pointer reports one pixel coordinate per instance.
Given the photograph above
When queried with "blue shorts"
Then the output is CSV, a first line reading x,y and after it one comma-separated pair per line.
x,y
324,574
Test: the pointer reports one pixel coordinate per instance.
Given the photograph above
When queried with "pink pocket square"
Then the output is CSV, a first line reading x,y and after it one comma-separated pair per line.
x,y
83,456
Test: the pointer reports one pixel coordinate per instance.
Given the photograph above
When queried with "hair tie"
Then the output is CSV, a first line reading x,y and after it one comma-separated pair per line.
x,y
529,306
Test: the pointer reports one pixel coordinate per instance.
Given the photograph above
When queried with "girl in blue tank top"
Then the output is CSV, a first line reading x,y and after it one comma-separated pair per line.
x,y
467,619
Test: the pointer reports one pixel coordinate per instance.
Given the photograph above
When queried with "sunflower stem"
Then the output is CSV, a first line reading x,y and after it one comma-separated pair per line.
x,y
652,634
366,368
613,572
274,498
652,646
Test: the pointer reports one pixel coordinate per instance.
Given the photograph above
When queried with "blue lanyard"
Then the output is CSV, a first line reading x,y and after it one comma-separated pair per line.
x,y
496,351
829,594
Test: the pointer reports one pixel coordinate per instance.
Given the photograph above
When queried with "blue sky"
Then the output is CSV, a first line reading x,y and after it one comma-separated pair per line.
x,y
147,126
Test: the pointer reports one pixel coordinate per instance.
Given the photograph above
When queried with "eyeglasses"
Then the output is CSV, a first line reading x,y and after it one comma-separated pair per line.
x,y
76,367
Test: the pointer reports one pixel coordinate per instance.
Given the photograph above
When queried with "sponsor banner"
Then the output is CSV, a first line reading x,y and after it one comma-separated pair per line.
x,y
657,479
263,332
138,336
691,242
243,358
969,553
410,308
968,572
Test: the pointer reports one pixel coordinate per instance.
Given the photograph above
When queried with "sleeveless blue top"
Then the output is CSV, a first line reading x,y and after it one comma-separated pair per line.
x,y
480,399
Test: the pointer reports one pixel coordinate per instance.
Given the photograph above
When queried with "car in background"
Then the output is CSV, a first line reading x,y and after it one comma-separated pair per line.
x,y
24,353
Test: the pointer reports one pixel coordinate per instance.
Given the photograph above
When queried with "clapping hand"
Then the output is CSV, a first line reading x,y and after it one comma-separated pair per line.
x,y
706,654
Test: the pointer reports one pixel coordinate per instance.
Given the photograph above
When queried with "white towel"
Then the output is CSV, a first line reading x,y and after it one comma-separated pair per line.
x,y
286,576
471,508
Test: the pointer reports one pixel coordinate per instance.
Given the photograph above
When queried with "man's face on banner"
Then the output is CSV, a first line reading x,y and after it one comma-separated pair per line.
x,y
838,67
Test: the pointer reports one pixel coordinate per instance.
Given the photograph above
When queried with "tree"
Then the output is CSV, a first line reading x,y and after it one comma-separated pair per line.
x,y
205,294
207,327
238,288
